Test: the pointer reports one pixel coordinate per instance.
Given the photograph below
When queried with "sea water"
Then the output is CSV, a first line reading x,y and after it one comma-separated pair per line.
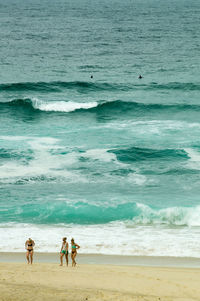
x,y
87,149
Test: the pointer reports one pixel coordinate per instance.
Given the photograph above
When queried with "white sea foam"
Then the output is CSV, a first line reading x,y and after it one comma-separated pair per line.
x,y
100,154
173,216
62,106
48,160
43,162
136,179
154,127
42,140
194,161
114,238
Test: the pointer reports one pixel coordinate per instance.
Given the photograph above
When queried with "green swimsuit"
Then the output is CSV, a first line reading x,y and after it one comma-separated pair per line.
x,y
64,252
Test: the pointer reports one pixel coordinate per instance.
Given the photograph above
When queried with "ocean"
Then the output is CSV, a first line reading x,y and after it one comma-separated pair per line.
x,y
87,149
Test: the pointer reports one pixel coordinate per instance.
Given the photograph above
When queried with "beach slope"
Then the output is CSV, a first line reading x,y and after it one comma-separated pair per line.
x,y
49,281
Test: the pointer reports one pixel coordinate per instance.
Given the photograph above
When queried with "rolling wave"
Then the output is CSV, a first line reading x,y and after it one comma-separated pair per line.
x,y
57,86
139,154
132,214
35,104
115,106
173,216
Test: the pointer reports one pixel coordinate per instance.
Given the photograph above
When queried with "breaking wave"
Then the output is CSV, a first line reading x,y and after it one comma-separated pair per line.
x,y
131,213
116,106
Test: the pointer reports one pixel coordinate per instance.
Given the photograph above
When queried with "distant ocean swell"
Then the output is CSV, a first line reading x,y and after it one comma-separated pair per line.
x,y
111,107
133,214
57,86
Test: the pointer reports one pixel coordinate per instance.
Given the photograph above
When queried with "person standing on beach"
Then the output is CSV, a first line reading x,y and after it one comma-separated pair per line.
x,y
64,251
74,251
29,244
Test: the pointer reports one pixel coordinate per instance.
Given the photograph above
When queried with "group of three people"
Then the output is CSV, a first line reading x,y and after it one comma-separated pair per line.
x,y
29,244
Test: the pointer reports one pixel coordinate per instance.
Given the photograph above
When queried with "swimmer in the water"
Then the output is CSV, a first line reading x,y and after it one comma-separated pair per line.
x,y
140,76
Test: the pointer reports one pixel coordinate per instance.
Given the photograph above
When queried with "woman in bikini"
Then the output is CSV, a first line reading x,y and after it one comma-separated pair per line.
x,y
64,251
74,251
29,244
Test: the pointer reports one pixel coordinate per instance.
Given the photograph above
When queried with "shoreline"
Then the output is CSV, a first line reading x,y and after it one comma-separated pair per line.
x,y
97,259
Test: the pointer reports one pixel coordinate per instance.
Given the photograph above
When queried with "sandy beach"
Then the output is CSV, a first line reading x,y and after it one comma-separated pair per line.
x,y
95,282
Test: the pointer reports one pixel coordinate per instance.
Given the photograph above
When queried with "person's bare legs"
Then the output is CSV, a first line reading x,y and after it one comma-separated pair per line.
x,y
61,259
27,257
66,257
31,255
73,259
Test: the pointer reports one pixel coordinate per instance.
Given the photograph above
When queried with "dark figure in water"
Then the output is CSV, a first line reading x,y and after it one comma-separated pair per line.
x,y
140,76
91,76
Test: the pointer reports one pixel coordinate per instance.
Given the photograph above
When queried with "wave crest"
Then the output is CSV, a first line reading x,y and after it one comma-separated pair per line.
x,y
84,87
131,213
62,106
54,106
101,107
139,154
57,86
173,216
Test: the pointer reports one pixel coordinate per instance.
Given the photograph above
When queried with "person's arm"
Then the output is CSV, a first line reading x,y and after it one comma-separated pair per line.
x,y
33,243
67,247
26,245
61,248
78,247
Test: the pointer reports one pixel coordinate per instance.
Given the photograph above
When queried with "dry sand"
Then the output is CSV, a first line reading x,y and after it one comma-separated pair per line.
x,y
49,281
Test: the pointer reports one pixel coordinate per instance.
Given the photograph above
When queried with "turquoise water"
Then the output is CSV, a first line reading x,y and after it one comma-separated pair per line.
x,y
86,147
